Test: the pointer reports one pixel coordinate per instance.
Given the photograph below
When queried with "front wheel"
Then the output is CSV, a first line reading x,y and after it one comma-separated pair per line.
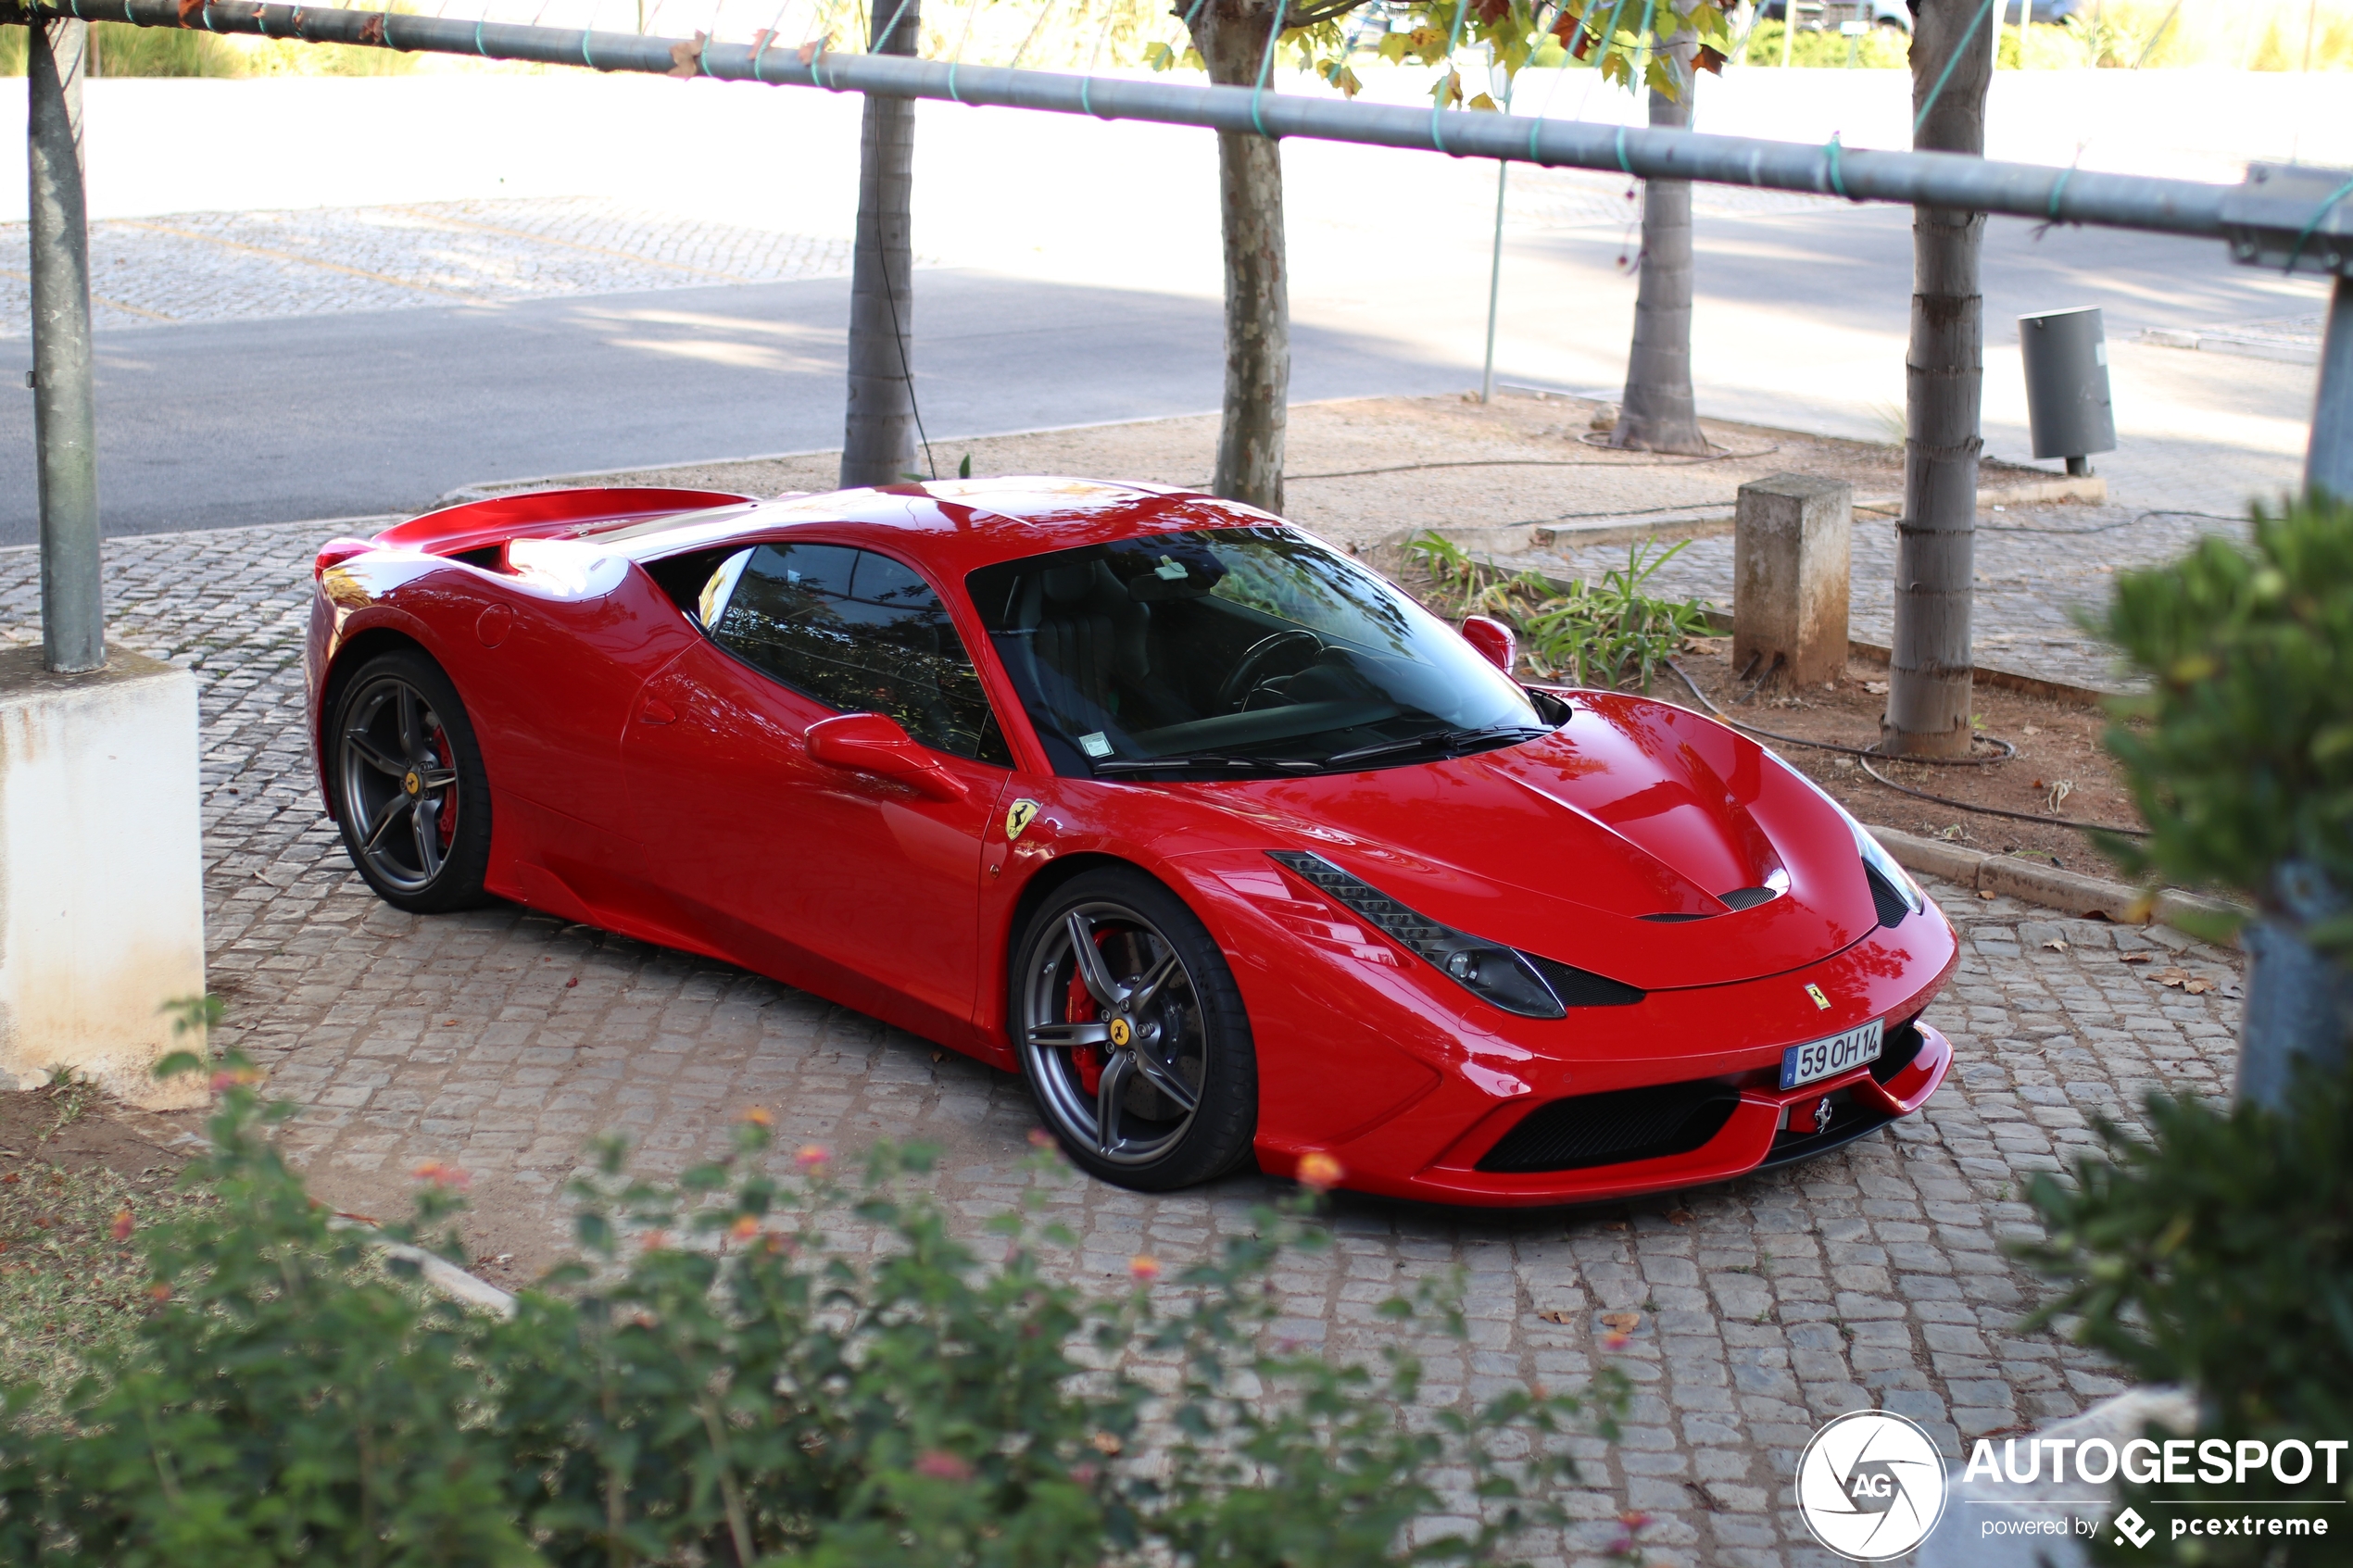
x,y
1132,1035
411,793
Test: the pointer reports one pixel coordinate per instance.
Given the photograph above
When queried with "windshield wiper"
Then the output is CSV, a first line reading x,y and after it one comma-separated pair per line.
x,y
1449,741
1121,766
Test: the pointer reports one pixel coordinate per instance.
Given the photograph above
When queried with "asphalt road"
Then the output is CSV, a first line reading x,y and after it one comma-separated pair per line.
x,y
211,425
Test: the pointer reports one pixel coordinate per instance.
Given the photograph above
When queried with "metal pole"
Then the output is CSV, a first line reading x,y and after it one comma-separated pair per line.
x,y
64,410
2328,461
1909,179
1494,285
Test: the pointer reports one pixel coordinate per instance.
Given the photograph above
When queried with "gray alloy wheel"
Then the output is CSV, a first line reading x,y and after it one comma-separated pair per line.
x,y
410,790
1132,1035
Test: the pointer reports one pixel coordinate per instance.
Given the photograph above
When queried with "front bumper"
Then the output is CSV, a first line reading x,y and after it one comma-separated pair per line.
x,y
1370,1055
1756,1135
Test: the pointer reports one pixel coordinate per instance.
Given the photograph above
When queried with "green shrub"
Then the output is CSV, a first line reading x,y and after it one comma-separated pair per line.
x,y
2242,760
2219,1256
121,49
1603,633
715,1381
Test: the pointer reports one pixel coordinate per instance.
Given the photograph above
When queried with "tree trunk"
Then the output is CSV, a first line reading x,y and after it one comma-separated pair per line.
x,y
880,433
1656,413
1231,36
1928,701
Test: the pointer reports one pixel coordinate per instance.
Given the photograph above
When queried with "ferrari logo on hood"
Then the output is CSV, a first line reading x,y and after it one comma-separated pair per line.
x,y
1820,1000
1018,818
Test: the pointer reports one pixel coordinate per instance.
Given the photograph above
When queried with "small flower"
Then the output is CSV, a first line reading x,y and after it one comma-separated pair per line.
x,y
757,1115
1083,1474
744,1228
235,1078
1318,1170
443,1174
160,1291
1143,1269
1041,1138
812,1158
122,1224
654,1241
1633,1519
1616,1340
943,1466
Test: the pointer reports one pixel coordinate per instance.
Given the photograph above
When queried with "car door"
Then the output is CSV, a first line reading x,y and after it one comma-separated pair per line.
x,y
856,886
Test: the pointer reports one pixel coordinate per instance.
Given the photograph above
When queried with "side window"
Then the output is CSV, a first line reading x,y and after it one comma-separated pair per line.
x,y
860,632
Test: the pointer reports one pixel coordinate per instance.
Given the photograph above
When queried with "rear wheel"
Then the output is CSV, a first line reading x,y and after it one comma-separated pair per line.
x,y
411,793
1132,1034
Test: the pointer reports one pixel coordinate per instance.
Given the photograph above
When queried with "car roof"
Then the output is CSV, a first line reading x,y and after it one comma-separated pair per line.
x,y
954,525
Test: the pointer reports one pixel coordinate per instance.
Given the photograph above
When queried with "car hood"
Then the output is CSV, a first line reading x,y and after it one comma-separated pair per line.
x,y
1564,846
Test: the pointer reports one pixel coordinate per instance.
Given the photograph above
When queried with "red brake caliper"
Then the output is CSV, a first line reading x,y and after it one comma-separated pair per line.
x,y
446,819
1078,1007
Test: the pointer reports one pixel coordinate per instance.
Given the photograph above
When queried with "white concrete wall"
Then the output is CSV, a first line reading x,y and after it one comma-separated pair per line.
x,y
101,890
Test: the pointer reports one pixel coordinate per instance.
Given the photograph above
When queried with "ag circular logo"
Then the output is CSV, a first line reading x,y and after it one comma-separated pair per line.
x,y
1871,1486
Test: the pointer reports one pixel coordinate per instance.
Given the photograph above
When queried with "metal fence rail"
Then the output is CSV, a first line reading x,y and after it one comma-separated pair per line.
x,y
1949,180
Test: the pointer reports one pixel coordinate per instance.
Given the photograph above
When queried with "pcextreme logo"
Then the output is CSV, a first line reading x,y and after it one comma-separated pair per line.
x,y
1870,1486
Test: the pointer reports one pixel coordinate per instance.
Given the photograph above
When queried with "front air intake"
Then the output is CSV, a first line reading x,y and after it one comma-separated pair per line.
x,y
1613,1128
1886,898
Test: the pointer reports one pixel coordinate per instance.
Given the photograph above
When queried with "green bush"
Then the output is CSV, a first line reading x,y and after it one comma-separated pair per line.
x,y
119,49
2220,1257
1604,634
717,1382
2241,759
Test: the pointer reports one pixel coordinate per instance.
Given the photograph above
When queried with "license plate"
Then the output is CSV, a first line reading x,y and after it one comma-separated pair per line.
x,y
1823,1059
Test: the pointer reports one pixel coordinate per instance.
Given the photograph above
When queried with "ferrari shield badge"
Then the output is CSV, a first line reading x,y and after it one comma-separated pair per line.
x,y
1120,1032
1820,1000
1022,813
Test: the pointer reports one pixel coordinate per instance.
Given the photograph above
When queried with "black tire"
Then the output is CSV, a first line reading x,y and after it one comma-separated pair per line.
x,y
410,790
1190,1033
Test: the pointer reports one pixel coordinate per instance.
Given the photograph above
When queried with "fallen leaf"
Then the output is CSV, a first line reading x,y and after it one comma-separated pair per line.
x,y
2056,944
2197,986
1986,894
1558,1317
1621,1323
2131,958
1877,688
1678,1216
1613,1224
939,1056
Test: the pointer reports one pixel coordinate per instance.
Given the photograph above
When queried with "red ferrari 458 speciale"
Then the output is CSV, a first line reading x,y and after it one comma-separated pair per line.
x,y
1220,841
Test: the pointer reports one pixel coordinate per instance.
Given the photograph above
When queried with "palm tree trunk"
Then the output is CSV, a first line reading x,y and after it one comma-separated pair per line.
x,y
1656,413
879,434
1231,36
1928,700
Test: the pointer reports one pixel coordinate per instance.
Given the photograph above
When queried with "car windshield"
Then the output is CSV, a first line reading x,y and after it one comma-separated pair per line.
x,y
1234,652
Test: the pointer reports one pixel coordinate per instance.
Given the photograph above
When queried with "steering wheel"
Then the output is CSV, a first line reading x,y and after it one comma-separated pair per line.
x,y
1244,679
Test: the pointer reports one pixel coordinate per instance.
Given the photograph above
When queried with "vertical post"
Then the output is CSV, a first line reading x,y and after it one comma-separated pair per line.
x,y
2328,461
1495,267
881,430
63,408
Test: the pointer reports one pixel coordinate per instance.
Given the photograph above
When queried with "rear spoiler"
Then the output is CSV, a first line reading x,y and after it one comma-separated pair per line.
x,y
544,514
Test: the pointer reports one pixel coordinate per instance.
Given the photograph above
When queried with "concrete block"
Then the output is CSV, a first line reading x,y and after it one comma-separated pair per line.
x,y
1790,554
101,872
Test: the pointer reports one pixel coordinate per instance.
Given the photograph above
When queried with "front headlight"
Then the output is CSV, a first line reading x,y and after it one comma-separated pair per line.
x,y
1881,867
1517,981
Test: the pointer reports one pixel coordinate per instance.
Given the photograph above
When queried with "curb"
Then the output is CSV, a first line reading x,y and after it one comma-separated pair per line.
x,y
2069,892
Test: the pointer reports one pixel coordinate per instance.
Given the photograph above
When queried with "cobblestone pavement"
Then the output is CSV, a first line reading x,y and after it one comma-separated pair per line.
x,y
241,265
501,1038
2035,567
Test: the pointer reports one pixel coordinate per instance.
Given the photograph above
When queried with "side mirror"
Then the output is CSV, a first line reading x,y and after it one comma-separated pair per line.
x,y
868,743
1492,639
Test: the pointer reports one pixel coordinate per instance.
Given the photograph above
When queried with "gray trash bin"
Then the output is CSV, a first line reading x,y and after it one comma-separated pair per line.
x,y
2066,402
